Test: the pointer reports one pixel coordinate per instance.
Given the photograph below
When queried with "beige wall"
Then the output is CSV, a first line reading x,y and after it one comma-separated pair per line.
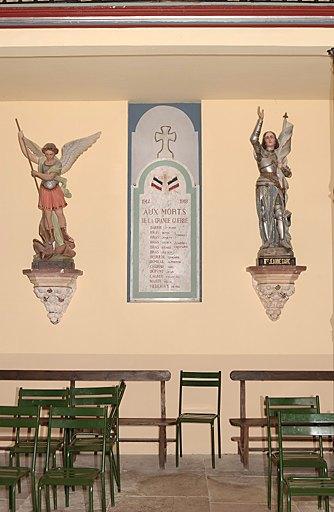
x,y
230,326
229,329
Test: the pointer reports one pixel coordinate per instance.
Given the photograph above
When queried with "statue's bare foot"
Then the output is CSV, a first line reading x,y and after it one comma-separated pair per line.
x,y
66,236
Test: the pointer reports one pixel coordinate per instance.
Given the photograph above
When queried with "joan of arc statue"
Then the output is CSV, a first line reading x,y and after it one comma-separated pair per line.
x,y
272,186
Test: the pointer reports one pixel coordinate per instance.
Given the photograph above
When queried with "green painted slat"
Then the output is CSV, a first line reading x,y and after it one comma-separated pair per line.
x,y
201,375
200,383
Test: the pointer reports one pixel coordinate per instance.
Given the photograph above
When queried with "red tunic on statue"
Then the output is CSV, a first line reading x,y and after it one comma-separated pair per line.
x,y
50,198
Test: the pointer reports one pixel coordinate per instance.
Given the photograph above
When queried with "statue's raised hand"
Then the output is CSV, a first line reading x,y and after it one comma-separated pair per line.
x,y
260,113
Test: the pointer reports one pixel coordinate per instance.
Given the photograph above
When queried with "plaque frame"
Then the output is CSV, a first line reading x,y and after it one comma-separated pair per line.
x,y
134,295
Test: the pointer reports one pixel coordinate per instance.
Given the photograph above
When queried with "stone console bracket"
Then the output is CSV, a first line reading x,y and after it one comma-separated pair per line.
x,y
54,287
274,285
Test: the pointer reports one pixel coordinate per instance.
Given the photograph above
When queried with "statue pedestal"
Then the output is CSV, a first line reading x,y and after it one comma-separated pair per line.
x,y
274,285
54,287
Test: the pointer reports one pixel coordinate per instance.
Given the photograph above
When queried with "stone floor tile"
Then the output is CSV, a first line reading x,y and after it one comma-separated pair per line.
x,y
237,488
308,505
143,504
193,504
187,462
149,463
230,463
241,507
164,484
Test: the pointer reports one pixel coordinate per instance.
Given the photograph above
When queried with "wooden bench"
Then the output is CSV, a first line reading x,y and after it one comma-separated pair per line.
x,y
73,376
244,423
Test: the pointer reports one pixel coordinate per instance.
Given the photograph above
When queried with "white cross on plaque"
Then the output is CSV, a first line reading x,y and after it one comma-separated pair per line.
x,y
165,136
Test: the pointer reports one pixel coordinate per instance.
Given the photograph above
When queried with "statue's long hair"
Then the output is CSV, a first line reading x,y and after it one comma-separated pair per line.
x,y
263,141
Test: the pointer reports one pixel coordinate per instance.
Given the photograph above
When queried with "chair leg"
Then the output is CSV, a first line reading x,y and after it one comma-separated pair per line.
x,y
10,506
180,445
212,428
54,496
103,492
326,503
70,458
67,496
47,498
39,498
288,502
33,493
118,466
269,482
90,495
177,446
18,465
111,479
279,491
10,498
112,489
219,439
13,498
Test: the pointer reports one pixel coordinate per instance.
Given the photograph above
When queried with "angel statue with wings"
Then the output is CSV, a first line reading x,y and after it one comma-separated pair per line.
x,y
52,191
272,186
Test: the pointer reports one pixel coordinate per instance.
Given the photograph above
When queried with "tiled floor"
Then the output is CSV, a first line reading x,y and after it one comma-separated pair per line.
x,y
193,487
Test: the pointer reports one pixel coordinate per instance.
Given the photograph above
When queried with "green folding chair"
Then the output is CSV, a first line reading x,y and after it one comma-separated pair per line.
x,y
71,419
300,458
88,441
27,418
310,426
44,398
203,380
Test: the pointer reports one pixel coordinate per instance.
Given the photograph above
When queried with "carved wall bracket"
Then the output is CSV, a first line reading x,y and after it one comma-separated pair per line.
x,y
54,288
274,285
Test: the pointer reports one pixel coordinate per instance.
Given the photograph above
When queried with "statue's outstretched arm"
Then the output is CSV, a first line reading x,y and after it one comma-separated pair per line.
x,y
254,138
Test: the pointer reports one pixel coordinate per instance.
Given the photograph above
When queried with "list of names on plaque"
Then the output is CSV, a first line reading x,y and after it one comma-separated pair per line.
x,y
165,238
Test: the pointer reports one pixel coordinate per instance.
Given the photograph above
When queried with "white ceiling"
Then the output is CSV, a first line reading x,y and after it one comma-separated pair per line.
x,y
165,64
164,77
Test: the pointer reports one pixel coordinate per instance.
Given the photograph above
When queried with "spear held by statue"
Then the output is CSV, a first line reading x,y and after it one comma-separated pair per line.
x,y
27,152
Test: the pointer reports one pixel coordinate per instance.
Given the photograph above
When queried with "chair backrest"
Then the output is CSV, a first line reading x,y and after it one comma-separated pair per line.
x,y
101,396
70,419
110,396
43,397
309,425
292,405
22,417
203,380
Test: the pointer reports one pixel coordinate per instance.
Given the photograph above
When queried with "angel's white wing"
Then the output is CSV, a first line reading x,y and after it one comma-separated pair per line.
x,y
33,147
72,150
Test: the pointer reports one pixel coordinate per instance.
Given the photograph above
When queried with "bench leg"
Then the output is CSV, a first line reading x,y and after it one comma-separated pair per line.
x,y
244,446
162,447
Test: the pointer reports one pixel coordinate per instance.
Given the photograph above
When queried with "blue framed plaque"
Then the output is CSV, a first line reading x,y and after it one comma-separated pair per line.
x,y
164,198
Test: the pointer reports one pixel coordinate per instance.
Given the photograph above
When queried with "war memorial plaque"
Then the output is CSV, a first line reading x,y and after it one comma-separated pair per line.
x,y
164,203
